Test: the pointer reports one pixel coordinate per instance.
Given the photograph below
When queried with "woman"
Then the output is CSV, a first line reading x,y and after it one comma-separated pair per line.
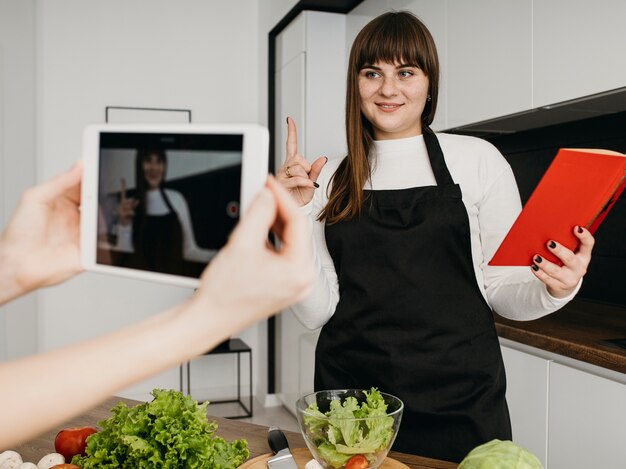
x,y
403,229
160,235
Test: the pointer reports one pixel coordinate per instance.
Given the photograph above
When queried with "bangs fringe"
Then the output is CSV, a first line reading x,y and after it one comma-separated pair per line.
x,y
394,40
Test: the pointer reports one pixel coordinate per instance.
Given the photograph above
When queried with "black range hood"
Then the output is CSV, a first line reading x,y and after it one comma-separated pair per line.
x,y
595,105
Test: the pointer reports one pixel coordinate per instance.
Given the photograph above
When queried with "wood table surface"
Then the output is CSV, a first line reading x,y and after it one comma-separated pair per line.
x,y
256,435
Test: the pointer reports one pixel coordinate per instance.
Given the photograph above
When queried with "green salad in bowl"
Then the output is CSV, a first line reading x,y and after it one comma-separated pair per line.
x,y
349,428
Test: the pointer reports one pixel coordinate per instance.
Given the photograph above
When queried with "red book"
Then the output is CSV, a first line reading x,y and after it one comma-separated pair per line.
x,y
579,188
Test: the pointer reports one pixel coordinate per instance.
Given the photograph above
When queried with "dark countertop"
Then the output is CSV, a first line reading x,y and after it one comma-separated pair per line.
x,y
576,331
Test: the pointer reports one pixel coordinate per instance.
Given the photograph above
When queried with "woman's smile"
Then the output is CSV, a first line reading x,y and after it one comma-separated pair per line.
x,y
388,107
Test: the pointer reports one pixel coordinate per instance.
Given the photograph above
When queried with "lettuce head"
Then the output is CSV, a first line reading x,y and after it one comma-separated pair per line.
x,y
497,454
171,431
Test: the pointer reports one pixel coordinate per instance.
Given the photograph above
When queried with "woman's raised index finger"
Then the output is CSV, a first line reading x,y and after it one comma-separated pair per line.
x,y
292,138
123,189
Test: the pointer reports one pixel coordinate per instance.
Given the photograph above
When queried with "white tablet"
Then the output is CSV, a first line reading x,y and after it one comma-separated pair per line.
x,y
158,201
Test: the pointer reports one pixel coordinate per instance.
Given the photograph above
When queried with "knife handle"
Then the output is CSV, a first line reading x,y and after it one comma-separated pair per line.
x,y
276,439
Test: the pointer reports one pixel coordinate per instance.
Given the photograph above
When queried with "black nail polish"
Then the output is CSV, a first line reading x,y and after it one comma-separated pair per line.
x,y
538,259
534,267
316,185
287,120
551,244
580,229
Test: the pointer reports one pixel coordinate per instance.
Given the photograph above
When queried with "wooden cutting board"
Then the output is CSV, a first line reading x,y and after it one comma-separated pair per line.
x,y
303,456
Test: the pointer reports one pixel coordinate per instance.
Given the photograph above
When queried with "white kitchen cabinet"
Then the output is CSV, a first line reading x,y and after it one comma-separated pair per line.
x,y
290,102
579,48
586,415
501,57
489,59
527,397
433,15
310,84
310,88
569,413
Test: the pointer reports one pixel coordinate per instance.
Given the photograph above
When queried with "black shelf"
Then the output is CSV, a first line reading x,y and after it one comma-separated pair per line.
x,y
236,346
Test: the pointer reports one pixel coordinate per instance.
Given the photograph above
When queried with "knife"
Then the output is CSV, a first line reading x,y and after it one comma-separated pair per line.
x,y
282,459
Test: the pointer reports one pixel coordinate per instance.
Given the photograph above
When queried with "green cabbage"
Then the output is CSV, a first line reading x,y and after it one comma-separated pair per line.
x,y
171,431
498,454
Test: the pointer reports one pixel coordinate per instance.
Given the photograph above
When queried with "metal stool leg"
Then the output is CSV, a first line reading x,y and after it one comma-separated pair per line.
x,y
180,375
188,378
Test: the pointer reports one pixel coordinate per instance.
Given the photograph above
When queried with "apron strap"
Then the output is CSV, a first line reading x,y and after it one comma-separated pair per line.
x,y
437,161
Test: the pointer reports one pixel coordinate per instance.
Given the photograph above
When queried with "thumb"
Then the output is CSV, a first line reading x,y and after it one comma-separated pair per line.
x,y
316,168
67,182
256,223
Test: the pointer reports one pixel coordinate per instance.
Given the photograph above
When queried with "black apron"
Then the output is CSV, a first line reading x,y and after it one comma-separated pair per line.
x,y
158,243
411,319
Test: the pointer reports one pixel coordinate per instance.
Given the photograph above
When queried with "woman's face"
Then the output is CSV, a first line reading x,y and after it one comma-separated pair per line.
x,y
153,170
393,97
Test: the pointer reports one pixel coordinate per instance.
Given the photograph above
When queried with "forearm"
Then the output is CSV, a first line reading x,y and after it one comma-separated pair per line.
x,y
518,295
42,391
317,308
11,285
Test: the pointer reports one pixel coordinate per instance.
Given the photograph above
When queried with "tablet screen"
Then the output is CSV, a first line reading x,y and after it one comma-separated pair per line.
x,y
166,201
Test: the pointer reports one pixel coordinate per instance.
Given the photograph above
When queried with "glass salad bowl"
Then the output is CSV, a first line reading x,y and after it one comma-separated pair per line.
x,y
349,428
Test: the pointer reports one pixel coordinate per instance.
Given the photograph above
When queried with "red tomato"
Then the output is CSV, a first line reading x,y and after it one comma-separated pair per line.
x,y
357,462
72,441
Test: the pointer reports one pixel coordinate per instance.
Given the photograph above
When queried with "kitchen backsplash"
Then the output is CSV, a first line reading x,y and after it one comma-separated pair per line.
x,y
530,153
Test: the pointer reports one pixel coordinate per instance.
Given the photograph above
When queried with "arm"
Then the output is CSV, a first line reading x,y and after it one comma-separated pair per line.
x,y
516,292
246,282
191,251
316,309
300,179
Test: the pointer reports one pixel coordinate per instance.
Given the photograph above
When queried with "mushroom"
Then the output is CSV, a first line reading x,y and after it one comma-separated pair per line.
x,y
50,460
10,460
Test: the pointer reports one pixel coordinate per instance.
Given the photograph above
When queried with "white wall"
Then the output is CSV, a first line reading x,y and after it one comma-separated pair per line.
x,y
61,63
192,54
18,320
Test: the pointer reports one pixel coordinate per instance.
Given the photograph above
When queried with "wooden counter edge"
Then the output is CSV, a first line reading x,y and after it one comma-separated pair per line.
x,y
577,330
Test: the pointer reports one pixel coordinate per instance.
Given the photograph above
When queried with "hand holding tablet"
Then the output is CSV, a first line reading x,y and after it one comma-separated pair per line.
x,y
159,201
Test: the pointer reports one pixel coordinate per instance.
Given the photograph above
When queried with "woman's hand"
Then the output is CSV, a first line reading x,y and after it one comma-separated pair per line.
x,y
126,209
40,244
561,281
249,279
296,174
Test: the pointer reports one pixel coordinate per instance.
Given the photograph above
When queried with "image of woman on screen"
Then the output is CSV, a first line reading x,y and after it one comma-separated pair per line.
x,y
154,227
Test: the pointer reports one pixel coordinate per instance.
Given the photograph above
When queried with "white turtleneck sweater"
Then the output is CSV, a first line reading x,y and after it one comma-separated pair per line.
x,y
156,205
492,201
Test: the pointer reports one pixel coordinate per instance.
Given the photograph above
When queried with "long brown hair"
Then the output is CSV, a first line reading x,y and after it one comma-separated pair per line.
x,y
393,37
